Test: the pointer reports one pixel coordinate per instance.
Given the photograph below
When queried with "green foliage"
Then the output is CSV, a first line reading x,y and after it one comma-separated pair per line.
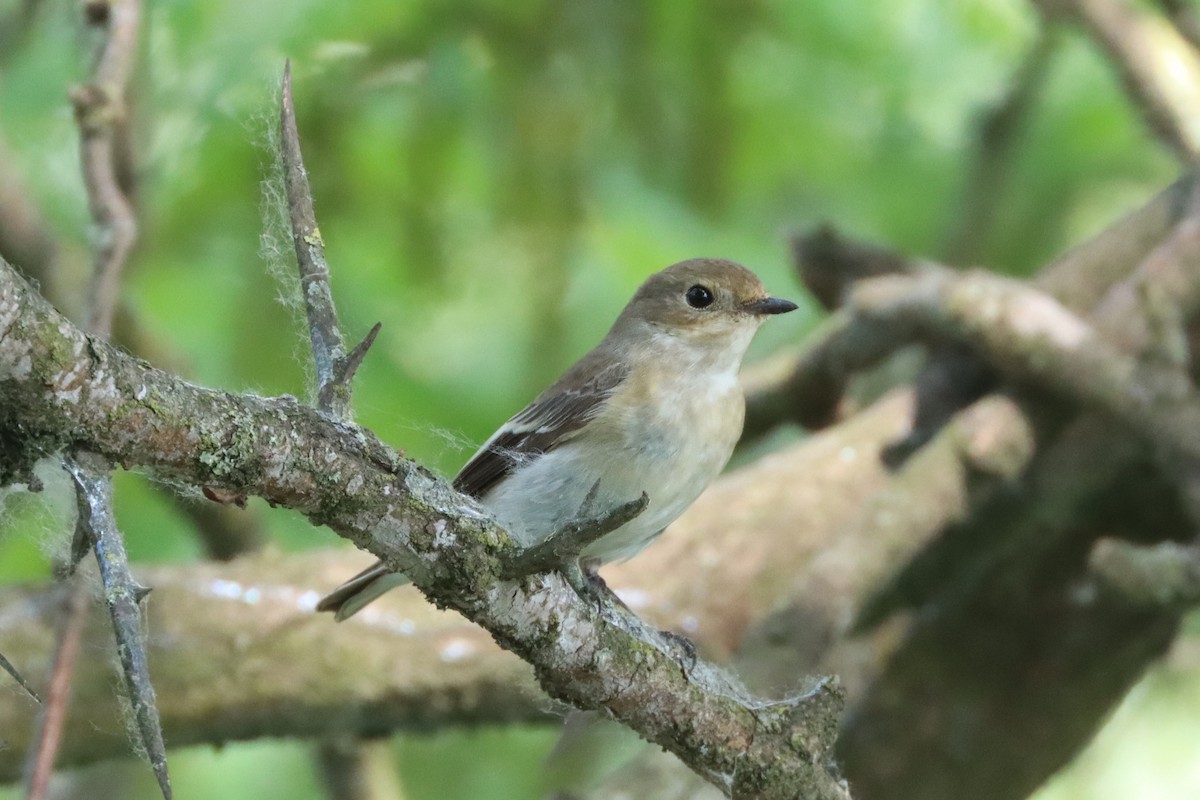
x,y
494,178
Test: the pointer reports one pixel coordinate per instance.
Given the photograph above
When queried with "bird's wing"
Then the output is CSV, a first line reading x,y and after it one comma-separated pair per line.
x,y
552,418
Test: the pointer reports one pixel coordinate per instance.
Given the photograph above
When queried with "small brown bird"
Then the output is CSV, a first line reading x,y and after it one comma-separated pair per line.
x,y
656,407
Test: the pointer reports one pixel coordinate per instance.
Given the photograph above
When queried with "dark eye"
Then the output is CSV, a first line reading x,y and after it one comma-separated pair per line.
x,y
699,296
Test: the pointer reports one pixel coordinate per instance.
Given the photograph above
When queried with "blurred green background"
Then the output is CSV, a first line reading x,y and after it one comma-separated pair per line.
x,y
493,179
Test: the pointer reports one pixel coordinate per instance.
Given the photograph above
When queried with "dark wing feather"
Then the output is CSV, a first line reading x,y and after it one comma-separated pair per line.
x,y
551,418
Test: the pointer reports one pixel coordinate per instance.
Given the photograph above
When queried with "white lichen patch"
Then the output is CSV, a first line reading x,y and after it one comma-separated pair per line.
x,y
16,362
544,606
9,311
354,485
443,536
68,386
104,387
67,396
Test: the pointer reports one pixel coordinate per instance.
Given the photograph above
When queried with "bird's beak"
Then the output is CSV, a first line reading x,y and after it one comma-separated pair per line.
x,y
769,305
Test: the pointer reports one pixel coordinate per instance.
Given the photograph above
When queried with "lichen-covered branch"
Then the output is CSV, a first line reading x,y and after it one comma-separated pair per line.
x,y
1029,337
60,387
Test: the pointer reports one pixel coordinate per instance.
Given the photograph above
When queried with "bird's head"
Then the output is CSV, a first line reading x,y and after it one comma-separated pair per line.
x,y
708,303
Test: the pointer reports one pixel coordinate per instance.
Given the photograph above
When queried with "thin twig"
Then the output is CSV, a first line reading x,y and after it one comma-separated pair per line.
x,y
1127,41
345,369
326,334
1183,16
100,108
8,667
123,596
52,721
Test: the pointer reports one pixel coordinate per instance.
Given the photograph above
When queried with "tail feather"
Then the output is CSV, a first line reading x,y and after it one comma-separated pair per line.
x,y
349,598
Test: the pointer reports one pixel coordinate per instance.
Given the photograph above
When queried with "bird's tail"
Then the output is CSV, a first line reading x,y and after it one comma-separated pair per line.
x,y
349,598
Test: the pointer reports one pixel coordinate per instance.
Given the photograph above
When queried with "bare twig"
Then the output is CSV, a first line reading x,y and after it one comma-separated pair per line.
x,y
8,667
123,596
1182,14
1124,36
326,334
100,106
51,723
345,368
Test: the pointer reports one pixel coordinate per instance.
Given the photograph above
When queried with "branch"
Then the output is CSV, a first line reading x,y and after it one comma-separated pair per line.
x,y
1131,48
1183,16
328,350
1101,278
59,386
219,636
51,723
123,597
100,109
1031,338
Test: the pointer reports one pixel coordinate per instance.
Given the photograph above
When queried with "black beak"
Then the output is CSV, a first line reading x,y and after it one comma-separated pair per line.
x,y
769,305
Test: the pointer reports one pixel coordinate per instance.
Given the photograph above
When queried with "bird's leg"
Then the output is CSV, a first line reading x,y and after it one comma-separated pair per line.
x,y
572,571
591,588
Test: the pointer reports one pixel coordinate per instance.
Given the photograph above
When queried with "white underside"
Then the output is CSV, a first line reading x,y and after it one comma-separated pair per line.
x,y
670,450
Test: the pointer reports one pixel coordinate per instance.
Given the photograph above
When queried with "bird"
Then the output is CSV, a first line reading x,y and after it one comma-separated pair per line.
x,y
655,408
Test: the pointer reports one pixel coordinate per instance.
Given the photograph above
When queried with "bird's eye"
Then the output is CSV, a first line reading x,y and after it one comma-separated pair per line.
x,y
699,296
